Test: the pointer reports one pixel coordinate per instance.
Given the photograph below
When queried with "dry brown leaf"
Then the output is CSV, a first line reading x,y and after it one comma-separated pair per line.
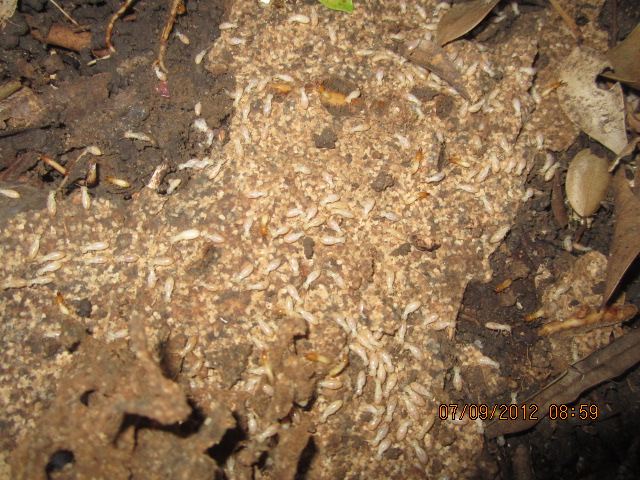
x,y
7,7
462,18
625,60
625,245
587,182
597,112
432,57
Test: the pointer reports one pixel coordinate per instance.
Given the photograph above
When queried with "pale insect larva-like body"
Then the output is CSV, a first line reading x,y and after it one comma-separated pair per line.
x,y
227,25
527,194
551,172
173,184
246,270
360,351
302,169
332,198
390,279
268,432
53,256
415,351
293,292
419,388
266,109
412,410
327,240
256,194
190,234
307,316
237,41
383,447
381,434
95,247
386,358
268,390
294,266
362,127
304,99
273,265
316,222
32,253
331,409
49,268
294,212
402,331
293,237
214,237
467,188
99,260
483,360
283,230
426,426
246,226
238,148
377,394
499,234
438,177
313,210
152,278
457,379
169,284
411,307
416,399
183,38
352,96
326,176
392,217
260,286
340,283
299,18
52,206
9,193
330,384
361,381
314,17
484,173
373,364
392,381
332,33
14,283
200,56
401,432
312,277
368,206
39,281
404,141
420,452
442,324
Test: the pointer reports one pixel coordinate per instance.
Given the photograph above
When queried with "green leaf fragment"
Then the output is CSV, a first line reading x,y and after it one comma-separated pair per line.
x,y
342,5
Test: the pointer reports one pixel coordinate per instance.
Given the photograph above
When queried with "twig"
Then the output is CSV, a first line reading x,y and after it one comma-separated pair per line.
x,y
65,13
112,23
175,7
567,19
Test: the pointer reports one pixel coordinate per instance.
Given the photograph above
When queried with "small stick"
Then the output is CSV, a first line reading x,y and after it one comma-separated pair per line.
x,y
175,7
112,23
567,19
65,13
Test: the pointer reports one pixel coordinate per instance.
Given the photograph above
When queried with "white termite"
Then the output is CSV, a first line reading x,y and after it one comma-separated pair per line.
x,y
259,286
245,270
214,237
457,379
331,384
95,247
99,260
32,253
283,230
127,258
360,351
499,234
327,240
368,206
383,447
9,193
52,206
293,292
266,109
415,351
426,426
438,177
551,172
49,268
411,307
307,316
152,278
299,18
361,381
39,281
169,284
235,41
293,237
392,381
401,432
377,393
200,56
190,234
183,38
273,265
268,432
312,277
331,409
381,434
404,141
483,360
53,256
420,452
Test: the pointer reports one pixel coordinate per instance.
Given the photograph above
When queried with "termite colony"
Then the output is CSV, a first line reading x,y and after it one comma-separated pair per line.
x,y
273,226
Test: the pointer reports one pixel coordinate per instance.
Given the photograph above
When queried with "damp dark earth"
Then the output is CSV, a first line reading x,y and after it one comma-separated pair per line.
x,y
270,239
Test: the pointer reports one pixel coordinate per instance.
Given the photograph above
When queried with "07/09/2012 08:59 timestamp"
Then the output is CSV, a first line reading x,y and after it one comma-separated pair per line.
x,y
516,412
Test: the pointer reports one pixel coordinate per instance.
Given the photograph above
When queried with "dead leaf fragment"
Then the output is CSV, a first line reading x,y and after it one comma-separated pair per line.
x,y
625,246
597,112
7,7
432,57
587,183
462,18
625,60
